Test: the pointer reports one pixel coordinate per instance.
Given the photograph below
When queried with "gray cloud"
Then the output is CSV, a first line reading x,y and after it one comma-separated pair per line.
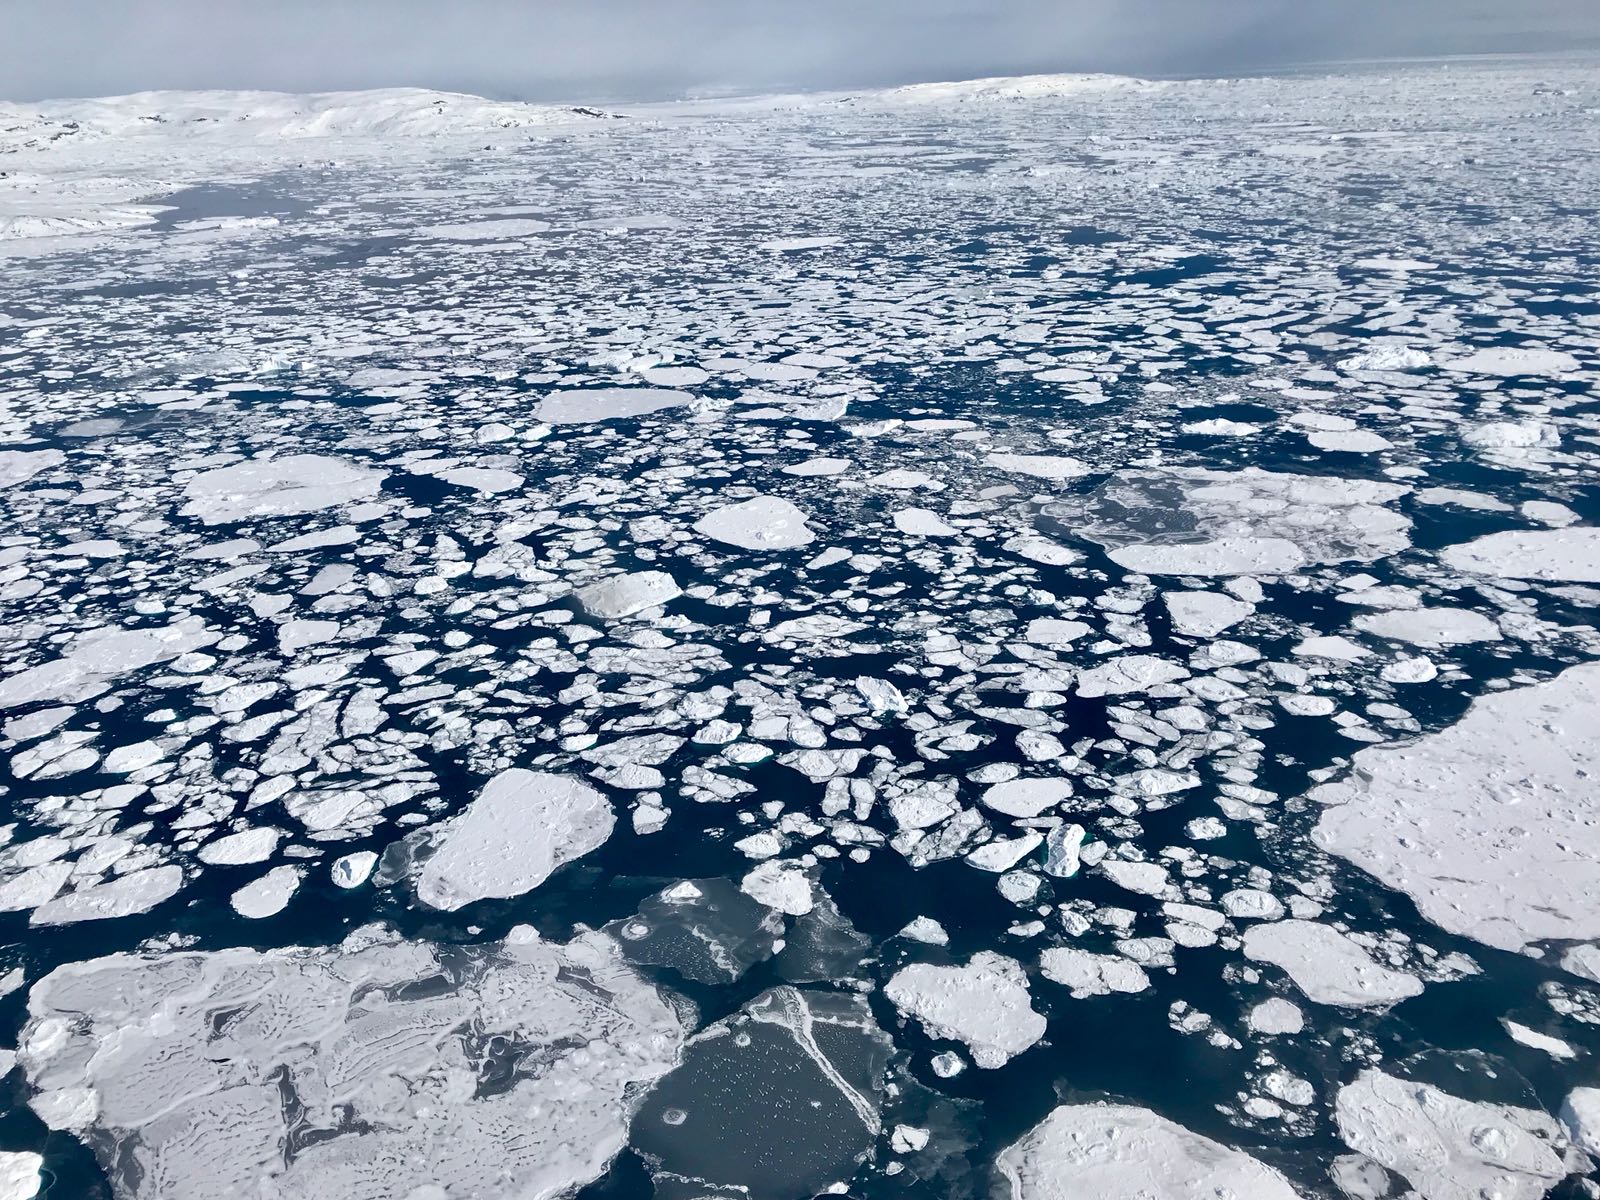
x,y
640,49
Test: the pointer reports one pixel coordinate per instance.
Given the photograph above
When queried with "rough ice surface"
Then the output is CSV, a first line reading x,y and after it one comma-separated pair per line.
x,y
625,595
984,1004
293,485
522,826
1488,825
1118,1152
1568,555
381,1068
762,523
948,549
1327,966
1448,1148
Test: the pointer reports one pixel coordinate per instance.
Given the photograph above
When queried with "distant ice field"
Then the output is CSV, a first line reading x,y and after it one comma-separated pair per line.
x,y
1032,638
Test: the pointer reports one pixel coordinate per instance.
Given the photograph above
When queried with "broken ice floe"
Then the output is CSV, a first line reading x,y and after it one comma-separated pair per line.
x,y
382,1067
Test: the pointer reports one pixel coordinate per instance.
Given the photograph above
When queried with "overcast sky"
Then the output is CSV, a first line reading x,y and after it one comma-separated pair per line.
x,y
645,49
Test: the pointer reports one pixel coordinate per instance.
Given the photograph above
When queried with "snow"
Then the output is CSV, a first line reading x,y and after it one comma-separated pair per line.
x,y
1327,966
1558,555
984,1004
1026,797
1513,361
1224,556
760,523
1053,467
292,485
269,895
519,829
1486,825
1122,1152
1087,974
366,1041
20,1176
1205,614
124,896
592,405
624,595
1446,1147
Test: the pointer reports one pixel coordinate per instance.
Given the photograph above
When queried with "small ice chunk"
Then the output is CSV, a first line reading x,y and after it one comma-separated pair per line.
x,y
352,870
269,895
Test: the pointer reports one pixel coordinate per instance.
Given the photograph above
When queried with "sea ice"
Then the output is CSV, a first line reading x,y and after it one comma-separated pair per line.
x,y
1447,1148
984,1005
1120,1152
1487,825
591,405
1566,555
624,595
761,523
521,827
1087,974
291,485
1327,966
379,1068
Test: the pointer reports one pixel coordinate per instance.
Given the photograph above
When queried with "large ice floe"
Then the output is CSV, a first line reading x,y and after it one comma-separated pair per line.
x,y
521,827
1119,1152
1489,825
380,1068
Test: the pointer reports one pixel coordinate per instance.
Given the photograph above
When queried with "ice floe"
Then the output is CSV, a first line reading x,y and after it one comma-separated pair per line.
x,y
382,1067
1117,1151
